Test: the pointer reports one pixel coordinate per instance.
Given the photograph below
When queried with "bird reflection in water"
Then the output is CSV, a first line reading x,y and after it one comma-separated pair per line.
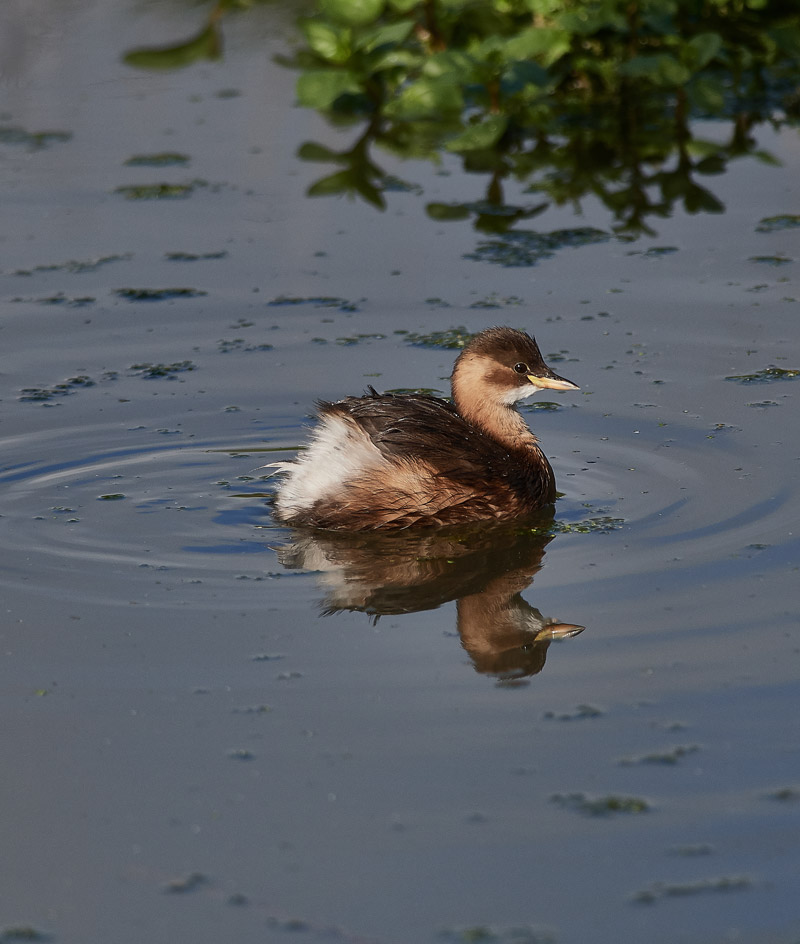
x,y
484,568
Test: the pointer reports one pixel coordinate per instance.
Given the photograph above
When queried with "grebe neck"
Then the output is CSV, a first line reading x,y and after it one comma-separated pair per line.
x,y
482,404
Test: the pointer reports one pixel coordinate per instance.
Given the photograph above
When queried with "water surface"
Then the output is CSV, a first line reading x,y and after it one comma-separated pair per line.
x,y
196,747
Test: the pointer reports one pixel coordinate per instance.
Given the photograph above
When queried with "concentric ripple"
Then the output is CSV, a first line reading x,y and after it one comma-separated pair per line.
x,y
691,502
127,518
100,524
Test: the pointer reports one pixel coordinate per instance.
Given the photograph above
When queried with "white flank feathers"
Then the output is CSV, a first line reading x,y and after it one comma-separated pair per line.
x,y
337,453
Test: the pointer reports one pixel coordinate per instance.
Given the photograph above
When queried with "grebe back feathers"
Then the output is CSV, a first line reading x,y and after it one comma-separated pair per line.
x,y
393,461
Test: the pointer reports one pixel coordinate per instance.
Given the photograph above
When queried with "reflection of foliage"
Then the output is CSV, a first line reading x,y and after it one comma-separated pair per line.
x,y
206,44
526,247
767,375
572,98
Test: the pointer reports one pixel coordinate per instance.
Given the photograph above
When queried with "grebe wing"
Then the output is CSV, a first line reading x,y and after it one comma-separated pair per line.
x,y
410,427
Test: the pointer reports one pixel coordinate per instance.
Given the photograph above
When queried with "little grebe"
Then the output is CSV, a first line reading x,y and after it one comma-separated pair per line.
x,y
385,461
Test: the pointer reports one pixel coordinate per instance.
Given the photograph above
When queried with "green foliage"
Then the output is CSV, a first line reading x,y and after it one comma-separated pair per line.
x,y
320,88
207,44
352,12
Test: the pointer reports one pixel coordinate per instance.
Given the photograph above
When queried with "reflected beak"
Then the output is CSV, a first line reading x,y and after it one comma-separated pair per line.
x,y
560,630
552,382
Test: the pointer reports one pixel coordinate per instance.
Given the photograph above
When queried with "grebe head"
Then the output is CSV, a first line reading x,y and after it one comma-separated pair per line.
x,y
502,366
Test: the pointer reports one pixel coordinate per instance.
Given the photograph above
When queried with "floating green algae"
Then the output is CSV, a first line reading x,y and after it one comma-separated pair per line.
x,y
239,344
542,406
771,260
663,758
654,252
767,375
485,934
74,266
189,883
43,394
358,339
22,933
601,806
157,294
192,257
661,890
161,191
773,224
603,524
451,339
318,301
521,248
495,300
580,713
60,299
33,140
163,159
156,371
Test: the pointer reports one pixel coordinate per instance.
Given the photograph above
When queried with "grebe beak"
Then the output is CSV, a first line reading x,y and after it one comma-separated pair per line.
x,y
552,382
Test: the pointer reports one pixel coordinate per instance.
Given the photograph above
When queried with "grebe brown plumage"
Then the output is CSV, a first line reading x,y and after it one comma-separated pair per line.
x,y
385,461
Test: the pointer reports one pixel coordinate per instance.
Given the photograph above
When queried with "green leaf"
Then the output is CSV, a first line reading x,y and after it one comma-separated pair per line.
x,y
311,151
544,8
766,158
369,193
328,42
351,12
479,136
490,49
520,74
544,44
787,38
586,20
340,182
447,212
716,164
391,34
207,44
701,148
660,69
707,94
319,88
702,49
697,199
453,63
426,98
403,6
392,57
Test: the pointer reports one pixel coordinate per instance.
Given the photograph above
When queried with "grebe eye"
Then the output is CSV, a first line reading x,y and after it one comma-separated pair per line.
x,y
521,368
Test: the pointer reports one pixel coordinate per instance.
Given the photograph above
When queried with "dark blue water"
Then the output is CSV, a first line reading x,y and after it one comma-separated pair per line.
x,y
207,735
